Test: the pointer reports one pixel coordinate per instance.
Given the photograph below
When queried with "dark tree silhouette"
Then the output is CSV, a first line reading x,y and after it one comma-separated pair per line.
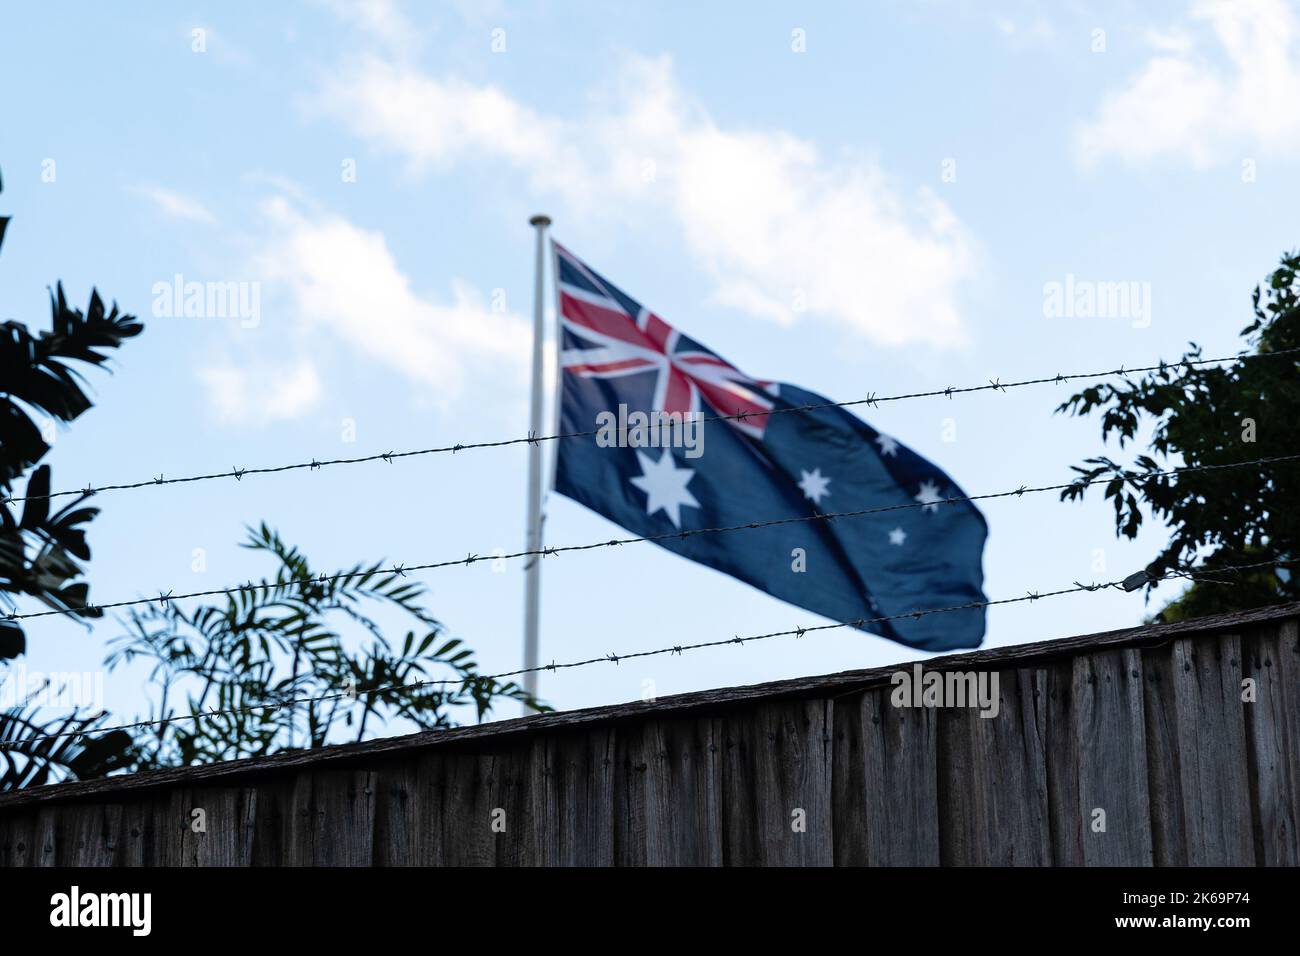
x,y
1207,415
42,549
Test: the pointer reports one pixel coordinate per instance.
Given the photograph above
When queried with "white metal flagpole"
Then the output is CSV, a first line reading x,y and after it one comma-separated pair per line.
x,y
533,570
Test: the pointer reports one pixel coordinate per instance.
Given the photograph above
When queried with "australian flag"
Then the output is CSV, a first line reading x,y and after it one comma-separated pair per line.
x,y
756,466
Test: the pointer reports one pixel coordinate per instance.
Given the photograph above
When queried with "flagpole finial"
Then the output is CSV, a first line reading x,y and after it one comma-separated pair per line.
x,y
540,220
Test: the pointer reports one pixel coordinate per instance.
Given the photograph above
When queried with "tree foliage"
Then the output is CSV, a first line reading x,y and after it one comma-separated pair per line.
x,y
43,549
271,667
34,752
254,659
1205,416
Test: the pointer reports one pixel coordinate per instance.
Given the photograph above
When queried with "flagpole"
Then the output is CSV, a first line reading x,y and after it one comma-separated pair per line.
x,y
533,570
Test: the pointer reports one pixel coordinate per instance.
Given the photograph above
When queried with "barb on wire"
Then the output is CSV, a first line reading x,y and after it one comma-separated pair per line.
x,y
531,438
673,649
402,569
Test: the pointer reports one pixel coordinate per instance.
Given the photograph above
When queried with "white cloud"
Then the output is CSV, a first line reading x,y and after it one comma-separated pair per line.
x,y
261,394
1172,41
203,39
176,205
1188,104
781,227
382,19
431,122
343,280
1031,31
337,291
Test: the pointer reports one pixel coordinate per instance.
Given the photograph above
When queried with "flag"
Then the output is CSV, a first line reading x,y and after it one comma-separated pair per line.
x,y
620,362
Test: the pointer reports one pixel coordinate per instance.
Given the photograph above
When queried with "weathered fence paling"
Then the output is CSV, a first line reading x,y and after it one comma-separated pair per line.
x,y
1138,747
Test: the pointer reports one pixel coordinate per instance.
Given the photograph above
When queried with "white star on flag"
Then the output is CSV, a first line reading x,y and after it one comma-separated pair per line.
x,y
665,486
897,536
929,496
813,485
887,445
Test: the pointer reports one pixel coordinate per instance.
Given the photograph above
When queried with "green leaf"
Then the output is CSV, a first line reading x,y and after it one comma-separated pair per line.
x,y
37,507
13,643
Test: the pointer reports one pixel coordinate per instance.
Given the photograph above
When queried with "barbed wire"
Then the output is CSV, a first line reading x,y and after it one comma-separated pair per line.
x,y
532,439
403,569
674,649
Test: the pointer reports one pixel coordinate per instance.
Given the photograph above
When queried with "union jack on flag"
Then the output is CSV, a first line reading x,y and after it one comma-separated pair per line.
x,y
772,452
609,335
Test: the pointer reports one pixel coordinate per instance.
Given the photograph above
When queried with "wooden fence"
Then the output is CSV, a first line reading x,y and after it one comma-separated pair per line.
x,y
1132,747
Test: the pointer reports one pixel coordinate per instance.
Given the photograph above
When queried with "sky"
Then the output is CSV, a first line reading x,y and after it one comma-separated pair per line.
x,y
858,198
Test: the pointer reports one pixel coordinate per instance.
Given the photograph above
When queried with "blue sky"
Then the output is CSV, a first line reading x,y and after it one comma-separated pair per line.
x,y
861,198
